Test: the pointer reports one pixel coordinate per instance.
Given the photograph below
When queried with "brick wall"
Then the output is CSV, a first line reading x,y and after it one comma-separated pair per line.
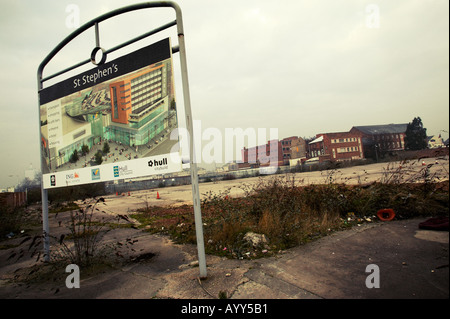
x,y
13,200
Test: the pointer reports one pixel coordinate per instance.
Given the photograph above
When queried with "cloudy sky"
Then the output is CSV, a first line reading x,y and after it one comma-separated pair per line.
x,y
301,66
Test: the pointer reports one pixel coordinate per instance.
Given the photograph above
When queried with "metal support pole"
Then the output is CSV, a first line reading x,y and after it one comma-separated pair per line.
x,y
97,35
44,195
45,224
192,163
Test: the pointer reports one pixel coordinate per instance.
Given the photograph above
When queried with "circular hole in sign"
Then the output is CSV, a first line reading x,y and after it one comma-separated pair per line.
x,y
98,56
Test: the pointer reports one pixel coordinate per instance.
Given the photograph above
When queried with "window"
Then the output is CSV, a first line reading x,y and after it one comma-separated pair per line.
x,y
79,134
116,107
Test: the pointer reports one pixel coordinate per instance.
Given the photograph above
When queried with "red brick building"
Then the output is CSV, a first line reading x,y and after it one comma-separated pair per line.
x,y
11,200
298,148
286,148
381,139
359,143
274,153
342,146
269,154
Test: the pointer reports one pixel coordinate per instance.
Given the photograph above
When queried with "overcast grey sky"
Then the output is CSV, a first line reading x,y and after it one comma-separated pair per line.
x,y
302,66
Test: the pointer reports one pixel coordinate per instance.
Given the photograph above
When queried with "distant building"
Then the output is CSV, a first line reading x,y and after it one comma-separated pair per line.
x,y
262,155
298,152
298,148
11,200
435,141
341,146
30,173
274,153
10,189
227,167
378,140
316,148
360,142
286,148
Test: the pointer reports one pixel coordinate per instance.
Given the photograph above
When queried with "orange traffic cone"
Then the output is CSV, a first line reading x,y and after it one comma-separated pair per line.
x,y
157,195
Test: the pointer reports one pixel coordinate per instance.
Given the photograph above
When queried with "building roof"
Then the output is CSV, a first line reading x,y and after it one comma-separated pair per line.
x,y
317,140
382,129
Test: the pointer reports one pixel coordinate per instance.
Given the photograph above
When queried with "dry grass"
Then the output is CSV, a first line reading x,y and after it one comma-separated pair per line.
x,y
289,214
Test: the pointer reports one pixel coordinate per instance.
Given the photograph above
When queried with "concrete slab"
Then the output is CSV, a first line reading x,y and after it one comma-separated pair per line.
x,y
333,267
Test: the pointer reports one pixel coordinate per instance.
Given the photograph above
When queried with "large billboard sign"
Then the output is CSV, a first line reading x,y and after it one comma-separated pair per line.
x,y
111,122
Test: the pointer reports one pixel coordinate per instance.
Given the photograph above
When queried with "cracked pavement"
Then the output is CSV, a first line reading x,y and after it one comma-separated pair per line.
x,y
413,264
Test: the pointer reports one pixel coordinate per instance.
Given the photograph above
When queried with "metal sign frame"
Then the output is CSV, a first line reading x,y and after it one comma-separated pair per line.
x,y
181,48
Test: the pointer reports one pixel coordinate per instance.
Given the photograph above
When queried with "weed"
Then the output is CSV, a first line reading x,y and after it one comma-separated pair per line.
x,y
11,221
289,213
223,295
81,245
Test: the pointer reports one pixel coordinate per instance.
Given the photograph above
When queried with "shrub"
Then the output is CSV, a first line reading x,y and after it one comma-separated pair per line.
x,y
11,221
290,214
81,244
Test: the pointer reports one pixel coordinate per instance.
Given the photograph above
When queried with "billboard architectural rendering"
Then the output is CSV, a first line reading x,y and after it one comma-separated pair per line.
x,y
111,122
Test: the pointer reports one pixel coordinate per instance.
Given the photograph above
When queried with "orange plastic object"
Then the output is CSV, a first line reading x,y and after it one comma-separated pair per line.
x,y
386,214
